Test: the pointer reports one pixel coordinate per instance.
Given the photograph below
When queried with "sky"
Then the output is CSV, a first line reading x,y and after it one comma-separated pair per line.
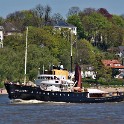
x,y
61,6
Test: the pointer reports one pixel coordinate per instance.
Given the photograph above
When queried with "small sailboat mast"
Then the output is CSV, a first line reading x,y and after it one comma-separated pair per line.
x,y
26,56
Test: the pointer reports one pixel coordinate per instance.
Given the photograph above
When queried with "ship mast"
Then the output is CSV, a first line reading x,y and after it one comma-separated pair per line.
x,y
71,53
26,56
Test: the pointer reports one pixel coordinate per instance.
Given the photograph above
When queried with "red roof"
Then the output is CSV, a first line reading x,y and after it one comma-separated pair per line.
x,y
112,63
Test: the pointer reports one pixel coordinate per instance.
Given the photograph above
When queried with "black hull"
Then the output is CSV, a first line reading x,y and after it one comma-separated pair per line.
x,y
35,93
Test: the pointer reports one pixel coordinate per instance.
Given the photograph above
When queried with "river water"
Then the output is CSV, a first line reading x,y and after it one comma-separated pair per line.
x,y
60,113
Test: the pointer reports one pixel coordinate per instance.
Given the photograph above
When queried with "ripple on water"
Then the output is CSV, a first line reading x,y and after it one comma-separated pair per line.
x,y
60,113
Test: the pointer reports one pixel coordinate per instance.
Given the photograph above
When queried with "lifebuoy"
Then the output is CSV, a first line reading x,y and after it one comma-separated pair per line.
x,y
43,87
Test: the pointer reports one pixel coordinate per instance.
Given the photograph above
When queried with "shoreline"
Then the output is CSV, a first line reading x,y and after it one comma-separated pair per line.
x,y
110,88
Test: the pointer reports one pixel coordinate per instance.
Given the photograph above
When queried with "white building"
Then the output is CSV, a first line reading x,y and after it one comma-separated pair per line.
x,y
62,24
1,36
90,74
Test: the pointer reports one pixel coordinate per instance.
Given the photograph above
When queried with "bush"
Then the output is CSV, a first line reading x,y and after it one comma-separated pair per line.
x,y
102,81
85,85
1,84
112,82
88,80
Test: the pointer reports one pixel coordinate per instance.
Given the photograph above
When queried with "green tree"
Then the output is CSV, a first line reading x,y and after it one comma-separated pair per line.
x,y
1,21
118,21
75,20
93,25
113,36
20,19
85,52
43,49
103,74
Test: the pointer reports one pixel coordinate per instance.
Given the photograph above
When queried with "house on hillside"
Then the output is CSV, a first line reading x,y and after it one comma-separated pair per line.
x,y
7,29
10,29
111,63
120,51
115,65
58,25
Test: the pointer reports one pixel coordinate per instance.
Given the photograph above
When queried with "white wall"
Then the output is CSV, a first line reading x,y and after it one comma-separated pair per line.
x,y
1,39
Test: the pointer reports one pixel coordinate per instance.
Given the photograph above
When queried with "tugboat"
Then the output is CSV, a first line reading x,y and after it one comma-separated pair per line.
x,y
56,88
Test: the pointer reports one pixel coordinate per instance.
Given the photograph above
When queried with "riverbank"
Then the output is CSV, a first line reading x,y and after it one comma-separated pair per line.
x,y
110,88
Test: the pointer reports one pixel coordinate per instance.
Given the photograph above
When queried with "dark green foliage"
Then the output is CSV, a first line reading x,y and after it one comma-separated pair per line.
x,y
85,52
115,72
1,84
93,82
89,80
75,20
43,49
118,82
